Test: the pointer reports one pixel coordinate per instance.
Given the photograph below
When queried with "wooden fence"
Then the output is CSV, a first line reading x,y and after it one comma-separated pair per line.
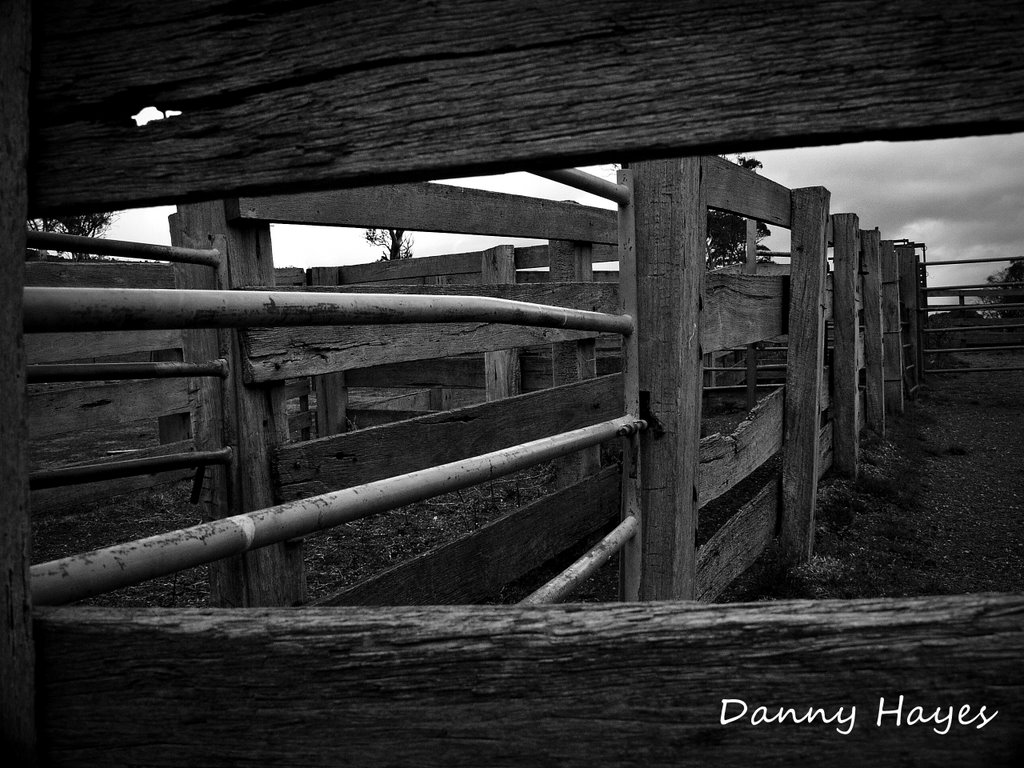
x,y
641,683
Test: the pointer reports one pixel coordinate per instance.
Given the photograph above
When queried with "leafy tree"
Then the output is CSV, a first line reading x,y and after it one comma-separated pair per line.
x,y
727,232
86,225
396,244
1014,273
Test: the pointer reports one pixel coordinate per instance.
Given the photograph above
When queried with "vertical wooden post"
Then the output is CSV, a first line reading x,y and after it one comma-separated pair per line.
x,y
173,427
571,262
845,371
254,422
501,368
631,558
671,254
803,375
331,392
17,667
891,330
873,352
907,256
750,268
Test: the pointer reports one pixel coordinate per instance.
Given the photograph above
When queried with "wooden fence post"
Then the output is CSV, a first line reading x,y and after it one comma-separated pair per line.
x,y
331,392
750,268
17,666
892,332
254,421
501,368
873,353
845,371
671,253
803,375
571,361
907,256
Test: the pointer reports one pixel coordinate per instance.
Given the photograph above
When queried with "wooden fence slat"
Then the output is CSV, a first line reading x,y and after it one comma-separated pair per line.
x,y
435,208
731,187
908,287
892,339
488,685
71,347
873,329
59,411
501,365
501,105
845,368
804,373
671,218
17,654
113,274
331,391
478,564
340,461
741,309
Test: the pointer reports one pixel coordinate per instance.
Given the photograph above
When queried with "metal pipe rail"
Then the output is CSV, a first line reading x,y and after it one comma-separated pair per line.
x,y
92,473
565,583
1004,348
75,243
980,306
959,328
136,309
1008,369
1011,284
989,260
92,573
587,182
50,372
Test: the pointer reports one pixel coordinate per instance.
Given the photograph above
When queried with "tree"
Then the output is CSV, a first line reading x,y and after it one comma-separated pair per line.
x,y
727,232
1014,273
396,244
86,225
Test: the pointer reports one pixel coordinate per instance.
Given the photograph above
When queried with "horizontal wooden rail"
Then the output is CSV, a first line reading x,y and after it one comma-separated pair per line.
x,y
641,684
50,372
91,473
97,309
79,576
77,244
565,583
587,182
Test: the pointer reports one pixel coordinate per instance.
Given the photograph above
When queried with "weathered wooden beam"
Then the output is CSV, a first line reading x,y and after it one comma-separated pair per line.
x,y
477,565
671,217
17,654
731,187
804,372
69,346
495,685
331,390
908,286
501,366
892,334
845,368
72,274
486,90
871,276
435,208
741,309
341,461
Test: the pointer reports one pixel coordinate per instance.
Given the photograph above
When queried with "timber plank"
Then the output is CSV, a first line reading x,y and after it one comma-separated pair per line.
x,y
892,335
725,460
115,274
496,685
846,361
741,309
59,411
435,208
486,88
730,187
475,566
873,361
69,347
341,461
737,544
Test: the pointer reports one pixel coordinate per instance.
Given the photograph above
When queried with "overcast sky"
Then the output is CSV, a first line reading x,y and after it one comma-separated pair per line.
x,y
964,198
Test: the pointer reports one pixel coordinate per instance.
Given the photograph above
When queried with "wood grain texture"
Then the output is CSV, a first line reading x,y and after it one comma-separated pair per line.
x,y
331,391
119,274
845,366
671,217
113,406
804,357
341,461
501,366
17,654
486,88
496,685
725,460
82,347
436,208
741,309
737,544
907,257
732,188
871,280
892,335
477,565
